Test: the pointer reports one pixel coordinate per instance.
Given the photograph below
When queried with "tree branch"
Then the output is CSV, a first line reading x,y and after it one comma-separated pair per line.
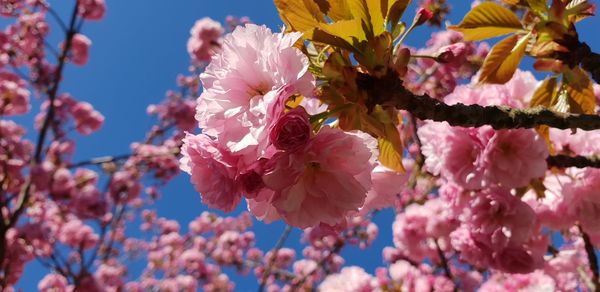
x,y
336,249
562,161
52,92
499,117
591,63
592,259
443,261
580,53
388,90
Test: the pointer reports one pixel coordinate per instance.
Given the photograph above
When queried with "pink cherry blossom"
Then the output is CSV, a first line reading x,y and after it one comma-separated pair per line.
x,y
92,9
14,96
387,185
76,234
514,157
553,209
455,153
53,283
582,200
255,71
499,211
515,93
536,281
80,49
475,158
213,171
205,39
349,279
124,186
87,120
320,183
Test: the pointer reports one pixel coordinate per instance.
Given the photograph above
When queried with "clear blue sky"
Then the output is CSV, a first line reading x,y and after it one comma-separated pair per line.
x,y
138,50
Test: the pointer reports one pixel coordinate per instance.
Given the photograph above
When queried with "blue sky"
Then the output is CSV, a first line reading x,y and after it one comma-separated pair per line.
x,y
138,50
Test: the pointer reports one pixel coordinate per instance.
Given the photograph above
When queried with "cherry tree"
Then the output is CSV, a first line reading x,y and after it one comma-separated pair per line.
x,y
492,174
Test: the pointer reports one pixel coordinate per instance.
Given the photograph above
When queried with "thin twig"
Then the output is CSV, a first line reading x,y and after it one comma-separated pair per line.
x,y
274,251
58,19
592,259
337,248
443,261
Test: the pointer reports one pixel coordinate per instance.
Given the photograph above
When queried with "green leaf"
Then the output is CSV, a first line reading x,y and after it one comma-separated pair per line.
x,y
539,6
503,60
488,20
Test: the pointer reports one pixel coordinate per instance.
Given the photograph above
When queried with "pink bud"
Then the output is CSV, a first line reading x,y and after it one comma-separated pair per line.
x,y
291,131
423,15
251,183
80,49
451,53
92,9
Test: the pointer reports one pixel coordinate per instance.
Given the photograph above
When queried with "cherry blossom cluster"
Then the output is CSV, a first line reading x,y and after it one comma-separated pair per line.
x,y
475,208
446,60
471,199
258,142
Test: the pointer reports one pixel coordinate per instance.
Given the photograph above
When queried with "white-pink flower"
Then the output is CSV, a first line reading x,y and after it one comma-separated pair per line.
x,y
349,279
244,86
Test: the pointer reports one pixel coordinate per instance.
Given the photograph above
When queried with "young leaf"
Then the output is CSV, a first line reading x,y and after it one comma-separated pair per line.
x,y
560,102
376,15
578,7
347,34
388,156
395,10
488,20
539,6
300,15
335,9
580,89
503,60
544,93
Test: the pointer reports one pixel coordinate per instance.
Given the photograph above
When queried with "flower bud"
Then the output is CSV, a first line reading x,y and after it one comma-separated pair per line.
x,y
451,53
291,131
423,15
